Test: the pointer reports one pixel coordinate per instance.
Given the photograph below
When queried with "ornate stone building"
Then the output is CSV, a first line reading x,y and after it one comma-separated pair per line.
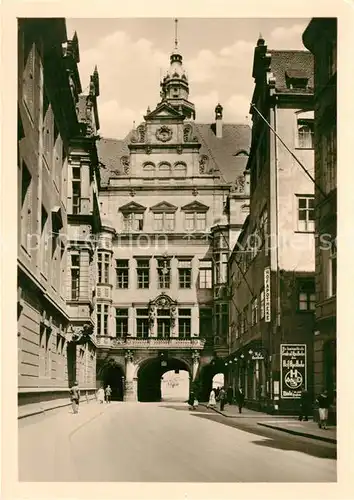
x,y
58,214
172,203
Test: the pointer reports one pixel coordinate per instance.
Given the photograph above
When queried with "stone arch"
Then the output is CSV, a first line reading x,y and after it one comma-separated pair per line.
x,y
150,370
111,372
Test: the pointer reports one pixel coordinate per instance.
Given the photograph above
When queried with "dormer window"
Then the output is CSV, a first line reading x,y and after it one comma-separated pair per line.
x,y
296,79
195,216
133,217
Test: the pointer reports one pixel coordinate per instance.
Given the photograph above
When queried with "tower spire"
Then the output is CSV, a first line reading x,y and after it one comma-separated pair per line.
x,y
176,36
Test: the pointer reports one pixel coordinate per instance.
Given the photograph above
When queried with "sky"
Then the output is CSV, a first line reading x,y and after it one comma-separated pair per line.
x,y
132,54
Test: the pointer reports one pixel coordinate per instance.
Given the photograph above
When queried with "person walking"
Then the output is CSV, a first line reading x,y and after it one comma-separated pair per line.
x,y
108,393
100,395
222,398
305,406
323,405
230,395
240,397
212,399
75,397
191,400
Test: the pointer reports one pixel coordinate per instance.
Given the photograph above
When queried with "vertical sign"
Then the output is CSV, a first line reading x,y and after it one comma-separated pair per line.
x,y
292,370
267,302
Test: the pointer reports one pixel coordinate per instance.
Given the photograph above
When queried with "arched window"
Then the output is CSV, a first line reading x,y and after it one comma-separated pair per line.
x,y
164,169
180,169
149,169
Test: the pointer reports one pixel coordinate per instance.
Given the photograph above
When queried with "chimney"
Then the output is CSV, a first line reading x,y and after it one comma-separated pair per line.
x,y
218,120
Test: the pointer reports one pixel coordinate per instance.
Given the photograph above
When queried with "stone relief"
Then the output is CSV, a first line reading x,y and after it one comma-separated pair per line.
x,y
164,134
179,149
203,162
187,133
129,356
125,161
141,133
239,184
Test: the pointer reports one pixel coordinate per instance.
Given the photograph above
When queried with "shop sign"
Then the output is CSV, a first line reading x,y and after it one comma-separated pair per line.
x,y
267,304
293,374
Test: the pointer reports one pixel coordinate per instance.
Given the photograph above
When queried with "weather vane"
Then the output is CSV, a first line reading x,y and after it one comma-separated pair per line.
x,y
176,39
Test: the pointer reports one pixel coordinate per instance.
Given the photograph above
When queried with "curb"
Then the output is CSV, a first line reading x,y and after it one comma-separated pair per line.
x,y
41,411
256,415
299,433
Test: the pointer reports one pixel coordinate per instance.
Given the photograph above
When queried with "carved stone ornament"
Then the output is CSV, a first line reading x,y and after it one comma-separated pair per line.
x,y
148,150
141,133
125,161
132,192
240,184
129,356
164,134
195,356
195,192
203,161
187,132
179,149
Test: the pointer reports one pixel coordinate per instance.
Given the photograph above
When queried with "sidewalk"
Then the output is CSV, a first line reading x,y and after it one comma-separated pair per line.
x,y
44,446
285,423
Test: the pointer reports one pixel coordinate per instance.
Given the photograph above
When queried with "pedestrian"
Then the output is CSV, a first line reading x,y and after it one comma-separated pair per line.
x,y
75,397
323,405
222,398
100,395
217,391
230,395
305,405
191,400
212,399
108,393
240,397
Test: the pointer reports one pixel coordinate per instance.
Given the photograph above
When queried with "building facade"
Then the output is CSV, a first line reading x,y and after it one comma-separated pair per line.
x,y
55,341
166,195
320,38
271,269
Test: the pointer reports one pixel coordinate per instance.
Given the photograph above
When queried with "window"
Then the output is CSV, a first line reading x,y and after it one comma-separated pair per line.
x,y
44,241
262,304
263,225
133,221
121,322
26,211
205,322
55,267
57,157
76,188
329,159
221,268
205,274
306,295
48,133
102,319
75,277
45,343
185,273
195,221
164,273
222,320
180,169
306,213
254,306
164,170
103,267
62,269
164,221
163,323
122,273
329,257
28,88
184,323
305,131
142,323
143,273
149,169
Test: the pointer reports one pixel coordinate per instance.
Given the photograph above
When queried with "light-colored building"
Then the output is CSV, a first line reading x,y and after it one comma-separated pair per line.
x,y
55,301
272,284
321,38
166,194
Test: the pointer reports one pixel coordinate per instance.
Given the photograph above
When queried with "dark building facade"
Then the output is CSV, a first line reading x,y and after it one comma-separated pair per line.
x,y
52,351
320,37
271,269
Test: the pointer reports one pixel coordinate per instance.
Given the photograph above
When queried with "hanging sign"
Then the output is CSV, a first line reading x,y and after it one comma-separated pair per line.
x,y
293,375
267,302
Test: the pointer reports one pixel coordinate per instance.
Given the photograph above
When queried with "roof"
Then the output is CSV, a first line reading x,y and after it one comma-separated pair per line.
x,y
235,138
296,63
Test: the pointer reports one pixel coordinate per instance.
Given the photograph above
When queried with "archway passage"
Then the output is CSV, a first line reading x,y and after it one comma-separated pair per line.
x,y
207,381
150,377
112,374
175,385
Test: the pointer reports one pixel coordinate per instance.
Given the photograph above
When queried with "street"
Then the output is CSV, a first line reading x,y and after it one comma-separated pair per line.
x,y
165,442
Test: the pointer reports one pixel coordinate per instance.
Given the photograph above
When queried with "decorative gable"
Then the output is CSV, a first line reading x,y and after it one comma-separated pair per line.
x,y
195,206
132,207
164,111
164,206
